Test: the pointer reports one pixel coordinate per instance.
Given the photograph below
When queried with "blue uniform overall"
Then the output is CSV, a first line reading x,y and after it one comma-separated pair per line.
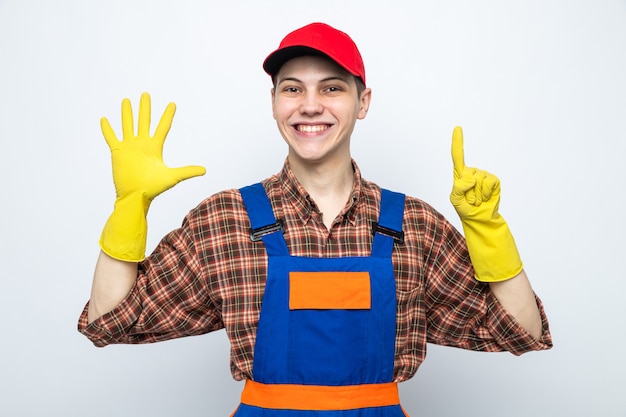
x,y
326,335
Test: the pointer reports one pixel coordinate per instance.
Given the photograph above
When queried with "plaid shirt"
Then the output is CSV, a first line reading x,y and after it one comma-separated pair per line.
x,y
208,275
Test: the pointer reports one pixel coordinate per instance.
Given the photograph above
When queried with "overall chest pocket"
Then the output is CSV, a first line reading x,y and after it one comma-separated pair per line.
x,y
329,325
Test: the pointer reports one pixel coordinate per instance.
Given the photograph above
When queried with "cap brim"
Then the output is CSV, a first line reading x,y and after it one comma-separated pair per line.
x,y
277,59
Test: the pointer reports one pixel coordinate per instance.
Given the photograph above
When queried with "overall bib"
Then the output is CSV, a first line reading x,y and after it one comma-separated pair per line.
x,y
326,335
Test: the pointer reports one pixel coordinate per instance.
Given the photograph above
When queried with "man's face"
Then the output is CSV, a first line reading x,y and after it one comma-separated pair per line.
x,y
316,104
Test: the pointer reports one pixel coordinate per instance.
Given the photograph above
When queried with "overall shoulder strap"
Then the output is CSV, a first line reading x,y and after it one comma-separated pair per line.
x,y
388,229
264,225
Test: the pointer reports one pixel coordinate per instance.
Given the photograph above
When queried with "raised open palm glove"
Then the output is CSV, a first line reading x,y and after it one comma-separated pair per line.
x,y
139,175
476,196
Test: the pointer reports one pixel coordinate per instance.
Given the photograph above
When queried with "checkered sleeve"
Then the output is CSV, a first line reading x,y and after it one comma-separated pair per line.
x,y
169,298
461,311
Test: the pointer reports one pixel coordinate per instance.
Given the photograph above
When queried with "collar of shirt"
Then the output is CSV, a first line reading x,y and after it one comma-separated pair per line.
x,y
295,195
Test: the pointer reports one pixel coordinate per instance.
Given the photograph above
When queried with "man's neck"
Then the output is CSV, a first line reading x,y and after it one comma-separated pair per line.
x,y
329,185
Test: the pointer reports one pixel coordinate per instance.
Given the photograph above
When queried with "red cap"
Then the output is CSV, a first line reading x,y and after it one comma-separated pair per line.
x,y
317,38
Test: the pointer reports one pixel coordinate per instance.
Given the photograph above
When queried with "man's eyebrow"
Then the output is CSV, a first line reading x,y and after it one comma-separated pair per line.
x,y
335,78
294,79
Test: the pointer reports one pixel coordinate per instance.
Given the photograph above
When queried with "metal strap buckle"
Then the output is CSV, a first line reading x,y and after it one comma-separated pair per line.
x,y
398,237
258,233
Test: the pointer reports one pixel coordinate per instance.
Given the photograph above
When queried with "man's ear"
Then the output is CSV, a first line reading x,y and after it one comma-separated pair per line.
x,y
273,93
364,101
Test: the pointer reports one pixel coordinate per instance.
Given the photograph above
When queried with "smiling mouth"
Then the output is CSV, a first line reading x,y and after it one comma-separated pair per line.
x,y
311,128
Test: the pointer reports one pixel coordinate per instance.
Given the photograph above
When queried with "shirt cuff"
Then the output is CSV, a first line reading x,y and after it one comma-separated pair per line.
x,y
510,335
112,327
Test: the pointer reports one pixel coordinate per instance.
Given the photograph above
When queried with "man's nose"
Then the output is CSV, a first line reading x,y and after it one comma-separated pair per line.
x,y
311,104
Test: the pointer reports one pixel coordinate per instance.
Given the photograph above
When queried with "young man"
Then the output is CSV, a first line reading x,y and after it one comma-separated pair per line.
x,y
328,287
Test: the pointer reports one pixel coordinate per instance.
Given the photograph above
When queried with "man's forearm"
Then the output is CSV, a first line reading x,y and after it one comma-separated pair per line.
x,y
112,281
518,299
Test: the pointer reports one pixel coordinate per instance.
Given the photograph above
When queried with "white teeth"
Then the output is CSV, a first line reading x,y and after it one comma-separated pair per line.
x,y
312,129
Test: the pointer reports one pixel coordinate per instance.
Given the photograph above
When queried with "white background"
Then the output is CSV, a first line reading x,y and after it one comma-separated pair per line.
x,y
539,87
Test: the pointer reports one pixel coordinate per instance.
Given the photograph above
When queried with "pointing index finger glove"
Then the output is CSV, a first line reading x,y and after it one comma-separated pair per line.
x,y
139,175
476,197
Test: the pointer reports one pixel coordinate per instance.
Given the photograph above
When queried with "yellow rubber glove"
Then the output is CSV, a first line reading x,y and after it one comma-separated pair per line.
x,y
139,174
476,196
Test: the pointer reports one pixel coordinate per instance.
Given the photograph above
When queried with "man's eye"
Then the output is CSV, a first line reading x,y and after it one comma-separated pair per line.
x,y
291,90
